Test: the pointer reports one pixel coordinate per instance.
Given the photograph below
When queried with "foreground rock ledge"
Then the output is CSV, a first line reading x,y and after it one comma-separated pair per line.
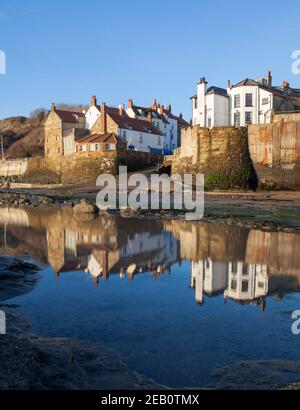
x,y
41,364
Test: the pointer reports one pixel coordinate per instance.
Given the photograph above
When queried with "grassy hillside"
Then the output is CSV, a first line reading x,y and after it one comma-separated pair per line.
x,y
22,137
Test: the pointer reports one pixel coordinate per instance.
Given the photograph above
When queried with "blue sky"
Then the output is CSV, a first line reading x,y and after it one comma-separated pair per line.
x,y
66,51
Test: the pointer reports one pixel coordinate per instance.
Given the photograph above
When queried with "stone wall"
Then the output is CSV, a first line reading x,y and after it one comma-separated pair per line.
x,y
13,167
286,117
76,169
275,152
221,154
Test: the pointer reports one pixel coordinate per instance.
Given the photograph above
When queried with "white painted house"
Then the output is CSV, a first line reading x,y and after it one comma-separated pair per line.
x,y
247,102
92,114
162,118
140,134
210,106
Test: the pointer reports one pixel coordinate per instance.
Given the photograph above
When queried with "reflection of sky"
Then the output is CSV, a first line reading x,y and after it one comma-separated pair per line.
x,y
176,299
158,327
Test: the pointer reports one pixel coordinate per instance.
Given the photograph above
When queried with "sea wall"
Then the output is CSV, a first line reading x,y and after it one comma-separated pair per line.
x,y
275,151
75,169
221,154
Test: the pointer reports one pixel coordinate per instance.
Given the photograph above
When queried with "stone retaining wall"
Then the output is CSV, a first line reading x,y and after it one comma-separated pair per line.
x,y
75,169
221,154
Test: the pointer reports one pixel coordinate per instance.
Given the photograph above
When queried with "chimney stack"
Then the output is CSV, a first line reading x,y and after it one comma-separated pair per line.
x,y
161,109
53,107
169,108
285,84
269,78
93,101
229,85
103,120
121,110
154,105
202,81
130,103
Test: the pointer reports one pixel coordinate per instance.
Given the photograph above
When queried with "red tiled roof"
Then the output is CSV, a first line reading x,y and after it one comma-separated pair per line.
x,y
71,117
127,123
98,138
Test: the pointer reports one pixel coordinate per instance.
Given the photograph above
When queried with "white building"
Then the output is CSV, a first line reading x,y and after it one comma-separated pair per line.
x,y
140,134
162,118
247,102
210,106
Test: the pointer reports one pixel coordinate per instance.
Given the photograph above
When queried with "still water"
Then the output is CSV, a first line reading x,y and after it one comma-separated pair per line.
x,y
176,299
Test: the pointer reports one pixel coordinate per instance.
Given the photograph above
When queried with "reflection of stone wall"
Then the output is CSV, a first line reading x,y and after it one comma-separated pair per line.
x,y
280,251
220,242
55,234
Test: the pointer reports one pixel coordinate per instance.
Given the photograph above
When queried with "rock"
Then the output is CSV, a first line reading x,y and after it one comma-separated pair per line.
x,y
258,375
16,277
85,208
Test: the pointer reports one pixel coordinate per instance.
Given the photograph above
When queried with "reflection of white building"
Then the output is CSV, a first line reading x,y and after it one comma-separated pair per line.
x,y
246,282
197,281
237,280
208,277
162,247
94,265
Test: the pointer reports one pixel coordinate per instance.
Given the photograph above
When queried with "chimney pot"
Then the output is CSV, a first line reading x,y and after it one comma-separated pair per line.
x,y
229,84
93,101
285,84
121,110
169,107
53,107
269,78
130,103
154,105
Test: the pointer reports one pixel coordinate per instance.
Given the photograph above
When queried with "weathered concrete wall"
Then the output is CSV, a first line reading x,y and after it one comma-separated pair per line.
x,y
221,154
275,152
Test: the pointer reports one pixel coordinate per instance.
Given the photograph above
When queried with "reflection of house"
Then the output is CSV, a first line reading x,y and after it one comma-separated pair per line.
x,y
208,277
246,282
101,252
238,281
